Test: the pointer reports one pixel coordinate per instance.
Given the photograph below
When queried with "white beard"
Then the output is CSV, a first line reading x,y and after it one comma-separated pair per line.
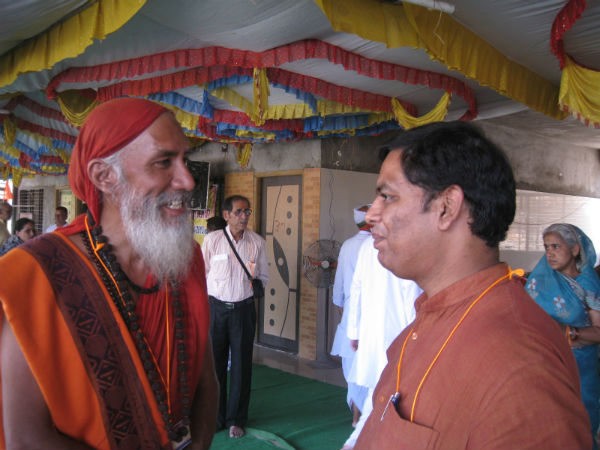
x,y
166,246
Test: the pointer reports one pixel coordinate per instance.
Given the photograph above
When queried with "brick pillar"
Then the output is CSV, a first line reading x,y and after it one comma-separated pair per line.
x,y
311,203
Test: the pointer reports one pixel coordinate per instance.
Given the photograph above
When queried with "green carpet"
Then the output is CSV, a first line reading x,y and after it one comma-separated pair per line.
x,y
288,411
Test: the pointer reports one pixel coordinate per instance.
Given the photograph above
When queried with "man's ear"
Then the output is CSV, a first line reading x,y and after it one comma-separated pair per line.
x,y
102,175
450,206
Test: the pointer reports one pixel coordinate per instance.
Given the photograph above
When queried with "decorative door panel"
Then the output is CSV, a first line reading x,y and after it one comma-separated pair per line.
x,y
278,311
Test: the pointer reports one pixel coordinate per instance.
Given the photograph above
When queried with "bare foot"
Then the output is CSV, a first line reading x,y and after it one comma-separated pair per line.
x,y
236,432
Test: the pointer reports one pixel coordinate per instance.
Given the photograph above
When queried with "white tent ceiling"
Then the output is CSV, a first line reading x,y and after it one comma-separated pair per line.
x,y
518,29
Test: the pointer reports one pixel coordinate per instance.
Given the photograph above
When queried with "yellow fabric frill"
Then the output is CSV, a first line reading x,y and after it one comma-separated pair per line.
x,y
62,154
295,111
187,120
76,107
67,39
10,131
233,98
261,92
371,19
39,139
579,93
7,145
17,173
52,170
437,114
243,154
4,169
250,134
345,132
445,41
328,107
10,150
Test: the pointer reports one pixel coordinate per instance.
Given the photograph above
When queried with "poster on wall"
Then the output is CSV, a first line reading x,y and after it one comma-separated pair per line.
x,y
200,171
200,216
213,193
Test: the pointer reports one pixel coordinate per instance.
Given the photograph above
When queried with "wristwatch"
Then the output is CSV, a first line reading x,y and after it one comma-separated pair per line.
x,y
573,333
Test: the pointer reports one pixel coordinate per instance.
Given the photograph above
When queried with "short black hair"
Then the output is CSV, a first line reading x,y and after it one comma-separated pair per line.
x,y
63,209
442,154
215,223
228,202
22,222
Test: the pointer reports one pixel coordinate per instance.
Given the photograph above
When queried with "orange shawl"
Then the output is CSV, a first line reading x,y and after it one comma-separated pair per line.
x,y
80,350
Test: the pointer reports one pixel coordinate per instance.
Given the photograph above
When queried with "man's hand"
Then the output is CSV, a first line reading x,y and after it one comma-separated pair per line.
x,y
27,420
206,403
354,344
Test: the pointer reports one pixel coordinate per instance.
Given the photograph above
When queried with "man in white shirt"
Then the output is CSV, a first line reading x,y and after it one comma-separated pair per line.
x,y
60,218
341,293
381,305
232,309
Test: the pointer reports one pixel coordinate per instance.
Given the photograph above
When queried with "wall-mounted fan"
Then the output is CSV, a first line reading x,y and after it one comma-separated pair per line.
x,y
319,262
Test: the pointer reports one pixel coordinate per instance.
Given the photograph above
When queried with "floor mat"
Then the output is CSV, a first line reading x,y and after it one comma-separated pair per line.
x,y
288,412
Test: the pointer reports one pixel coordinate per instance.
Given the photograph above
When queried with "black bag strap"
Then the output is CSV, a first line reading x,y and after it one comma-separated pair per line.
x,y
236,255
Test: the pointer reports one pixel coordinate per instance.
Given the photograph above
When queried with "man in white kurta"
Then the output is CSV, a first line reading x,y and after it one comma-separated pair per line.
x,y
380,306
341,293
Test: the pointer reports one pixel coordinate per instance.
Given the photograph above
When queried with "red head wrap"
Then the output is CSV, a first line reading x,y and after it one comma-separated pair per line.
x,y
108,128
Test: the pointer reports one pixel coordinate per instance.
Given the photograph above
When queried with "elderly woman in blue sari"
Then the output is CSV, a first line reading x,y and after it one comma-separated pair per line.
x,y
565,284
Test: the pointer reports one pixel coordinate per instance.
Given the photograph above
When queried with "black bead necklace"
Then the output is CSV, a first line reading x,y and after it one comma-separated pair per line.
x,y
117,282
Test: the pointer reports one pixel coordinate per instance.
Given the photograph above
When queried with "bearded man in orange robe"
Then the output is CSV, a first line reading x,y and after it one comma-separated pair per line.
x,y
105,331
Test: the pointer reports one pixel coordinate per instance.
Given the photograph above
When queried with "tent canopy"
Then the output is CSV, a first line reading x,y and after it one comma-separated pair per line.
x,y
246,71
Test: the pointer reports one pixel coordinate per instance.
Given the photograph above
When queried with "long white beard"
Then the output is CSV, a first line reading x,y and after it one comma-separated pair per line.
x,y
166,246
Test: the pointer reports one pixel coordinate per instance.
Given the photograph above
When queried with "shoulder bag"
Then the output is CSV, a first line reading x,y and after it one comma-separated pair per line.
x,y
257,284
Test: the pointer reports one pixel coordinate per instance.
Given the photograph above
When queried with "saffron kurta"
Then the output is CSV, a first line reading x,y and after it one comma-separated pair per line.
x,y
80,350
506,379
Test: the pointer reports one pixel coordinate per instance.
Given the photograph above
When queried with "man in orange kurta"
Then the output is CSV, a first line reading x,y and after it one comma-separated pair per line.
x,y
481,367
105,332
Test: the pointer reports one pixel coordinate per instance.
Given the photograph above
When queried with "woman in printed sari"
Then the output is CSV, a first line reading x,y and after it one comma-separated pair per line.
x,y
565,284
24,230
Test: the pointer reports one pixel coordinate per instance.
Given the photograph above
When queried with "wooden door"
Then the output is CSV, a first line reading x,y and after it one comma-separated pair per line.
x,y
281,227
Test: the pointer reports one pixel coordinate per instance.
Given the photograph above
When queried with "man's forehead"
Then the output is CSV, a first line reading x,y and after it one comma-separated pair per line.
x,y
393,179
394,153
239,204
149,147
391,169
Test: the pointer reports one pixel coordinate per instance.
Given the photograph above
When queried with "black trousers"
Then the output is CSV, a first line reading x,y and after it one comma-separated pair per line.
x,y
233,327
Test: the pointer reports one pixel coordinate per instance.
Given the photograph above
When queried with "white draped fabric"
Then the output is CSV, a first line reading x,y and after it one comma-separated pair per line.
x,y
341,293
381,305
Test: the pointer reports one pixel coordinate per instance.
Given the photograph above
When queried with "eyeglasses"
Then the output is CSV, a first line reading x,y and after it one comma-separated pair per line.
x,y
239,212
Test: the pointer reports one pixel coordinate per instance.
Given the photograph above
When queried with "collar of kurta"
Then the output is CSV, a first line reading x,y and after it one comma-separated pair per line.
x,y
464,290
